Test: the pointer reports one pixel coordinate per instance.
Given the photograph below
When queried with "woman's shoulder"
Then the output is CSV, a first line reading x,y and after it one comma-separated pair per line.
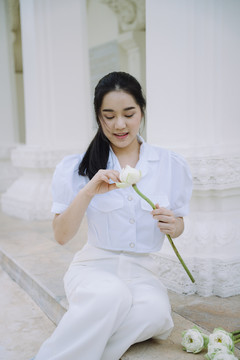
x,y
156,152
66,171
70,162
66,182
167,154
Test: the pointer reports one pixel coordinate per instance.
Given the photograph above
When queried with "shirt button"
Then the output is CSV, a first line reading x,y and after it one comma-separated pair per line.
x,y
132,221
129,198
132,245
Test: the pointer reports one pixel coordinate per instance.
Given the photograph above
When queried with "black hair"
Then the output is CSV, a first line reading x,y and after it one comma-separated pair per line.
x,y
96,156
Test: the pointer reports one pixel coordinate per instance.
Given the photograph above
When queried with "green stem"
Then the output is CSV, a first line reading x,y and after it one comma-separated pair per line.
x,y
236,333
236,337
180,258
168,236
143,196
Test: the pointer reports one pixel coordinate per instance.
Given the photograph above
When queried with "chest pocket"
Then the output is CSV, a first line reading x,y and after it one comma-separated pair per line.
x,y
105,215
160,199
106,203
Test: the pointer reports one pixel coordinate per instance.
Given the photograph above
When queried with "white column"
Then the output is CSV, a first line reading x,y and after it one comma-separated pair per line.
x,y
193,86
133,45
57,100
8,116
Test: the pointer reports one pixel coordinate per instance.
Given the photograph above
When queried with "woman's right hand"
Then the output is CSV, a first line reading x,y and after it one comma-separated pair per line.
x,y
102,182
66,225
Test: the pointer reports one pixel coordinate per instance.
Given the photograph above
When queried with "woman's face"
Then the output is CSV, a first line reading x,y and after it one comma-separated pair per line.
x,y
120,117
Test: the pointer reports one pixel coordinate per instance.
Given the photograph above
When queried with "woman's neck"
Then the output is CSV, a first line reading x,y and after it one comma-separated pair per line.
x,y
129,155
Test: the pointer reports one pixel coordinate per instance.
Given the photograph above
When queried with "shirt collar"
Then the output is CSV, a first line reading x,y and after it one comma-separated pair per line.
x,y
147,153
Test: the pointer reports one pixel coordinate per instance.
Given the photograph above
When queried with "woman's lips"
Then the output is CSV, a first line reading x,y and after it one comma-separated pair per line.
x,y
121,136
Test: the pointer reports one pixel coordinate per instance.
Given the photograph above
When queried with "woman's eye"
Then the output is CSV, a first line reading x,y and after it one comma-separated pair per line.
x,y
129,116
109,117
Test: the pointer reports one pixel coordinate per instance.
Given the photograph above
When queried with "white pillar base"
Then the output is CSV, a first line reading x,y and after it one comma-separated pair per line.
x,y
29,197
8,173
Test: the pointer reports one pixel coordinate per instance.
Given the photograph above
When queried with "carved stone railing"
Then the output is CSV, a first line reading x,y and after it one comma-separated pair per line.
x,y
210,244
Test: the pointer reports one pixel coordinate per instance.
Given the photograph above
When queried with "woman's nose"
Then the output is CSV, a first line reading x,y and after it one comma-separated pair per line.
x,y
120,122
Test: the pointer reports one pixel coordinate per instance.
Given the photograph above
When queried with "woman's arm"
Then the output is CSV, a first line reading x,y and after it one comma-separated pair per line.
x,y
66,225
167,222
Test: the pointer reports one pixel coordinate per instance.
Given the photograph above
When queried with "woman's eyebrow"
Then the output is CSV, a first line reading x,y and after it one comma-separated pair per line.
x,y
126,109
129,108
108,110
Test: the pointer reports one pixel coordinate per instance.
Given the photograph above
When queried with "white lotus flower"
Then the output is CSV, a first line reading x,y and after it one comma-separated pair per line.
x,y
128,177
224,355
214,349
194,341
220,336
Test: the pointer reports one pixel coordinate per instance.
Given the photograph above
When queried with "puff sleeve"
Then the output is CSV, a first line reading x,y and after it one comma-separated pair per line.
x,y
66,183
181,185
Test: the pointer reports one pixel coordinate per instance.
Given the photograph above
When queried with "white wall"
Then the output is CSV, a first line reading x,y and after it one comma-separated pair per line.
x,y
193,56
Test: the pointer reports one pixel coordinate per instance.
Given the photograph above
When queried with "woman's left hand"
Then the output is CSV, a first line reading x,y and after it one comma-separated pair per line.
x,y
167,222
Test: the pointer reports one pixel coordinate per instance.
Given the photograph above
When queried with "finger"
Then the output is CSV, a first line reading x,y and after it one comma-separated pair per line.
x,y
162,211
166,232
165,228
112,175
112,187
108,176
164,219
103,177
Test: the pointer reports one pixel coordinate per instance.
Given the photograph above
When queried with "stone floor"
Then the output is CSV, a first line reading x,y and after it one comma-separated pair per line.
x,y
23,325
29,254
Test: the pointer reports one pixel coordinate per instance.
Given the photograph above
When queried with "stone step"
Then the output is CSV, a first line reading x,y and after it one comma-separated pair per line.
x,y
39,269
37,263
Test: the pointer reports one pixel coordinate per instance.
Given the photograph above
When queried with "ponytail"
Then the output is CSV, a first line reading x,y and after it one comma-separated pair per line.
x,y
96,156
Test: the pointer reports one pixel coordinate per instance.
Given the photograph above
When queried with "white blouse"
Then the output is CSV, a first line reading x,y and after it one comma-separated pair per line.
x,y
120,219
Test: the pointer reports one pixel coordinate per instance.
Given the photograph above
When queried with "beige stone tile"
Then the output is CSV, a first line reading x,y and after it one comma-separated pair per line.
x,y
23,325
169,349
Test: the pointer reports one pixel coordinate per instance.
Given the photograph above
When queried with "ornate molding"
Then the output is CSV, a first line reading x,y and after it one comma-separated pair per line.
x,y
213,276
216,173
26,156
210,246
130,13
217,233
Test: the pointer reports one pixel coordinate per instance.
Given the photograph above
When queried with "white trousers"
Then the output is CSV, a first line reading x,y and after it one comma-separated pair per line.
x,y
115,300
